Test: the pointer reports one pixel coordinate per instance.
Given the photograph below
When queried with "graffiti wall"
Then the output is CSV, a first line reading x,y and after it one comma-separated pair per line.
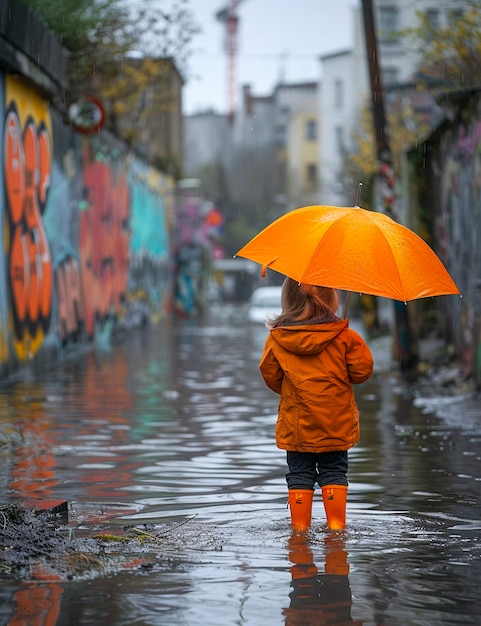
x,y
454,159
86,232
27,165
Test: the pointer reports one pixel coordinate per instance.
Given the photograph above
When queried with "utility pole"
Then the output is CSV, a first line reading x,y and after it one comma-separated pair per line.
x,y
405,345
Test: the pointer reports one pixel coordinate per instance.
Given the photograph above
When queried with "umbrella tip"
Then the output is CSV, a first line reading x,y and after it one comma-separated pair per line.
x,y
358,196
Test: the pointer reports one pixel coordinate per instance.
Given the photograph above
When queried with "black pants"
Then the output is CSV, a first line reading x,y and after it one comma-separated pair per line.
x,y
325,468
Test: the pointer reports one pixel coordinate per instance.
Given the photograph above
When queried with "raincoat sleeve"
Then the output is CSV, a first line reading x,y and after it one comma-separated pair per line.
x,y
270,368
359,359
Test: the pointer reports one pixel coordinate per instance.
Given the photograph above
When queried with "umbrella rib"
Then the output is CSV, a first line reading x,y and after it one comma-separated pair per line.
x,y
394,261
320,243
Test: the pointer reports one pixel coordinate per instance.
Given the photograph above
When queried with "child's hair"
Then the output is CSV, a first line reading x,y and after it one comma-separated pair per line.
x,y
302,302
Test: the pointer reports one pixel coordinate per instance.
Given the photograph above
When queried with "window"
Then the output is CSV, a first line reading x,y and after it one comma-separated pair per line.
x,y
390,76
280,132
388,24
454,15
433,22
311,130
339,139
338,93
432,18
311,175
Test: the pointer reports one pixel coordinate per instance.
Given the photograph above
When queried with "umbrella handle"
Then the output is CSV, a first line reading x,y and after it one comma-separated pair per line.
x,y
346,305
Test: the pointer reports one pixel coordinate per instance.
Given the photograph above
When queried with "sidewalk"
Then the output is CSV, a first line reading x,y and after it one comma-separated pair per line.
x,y
438,373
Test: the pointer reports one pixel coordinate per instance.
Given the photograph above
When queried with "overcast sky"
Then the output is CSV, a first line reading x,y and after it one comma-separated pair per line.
x,y
275,38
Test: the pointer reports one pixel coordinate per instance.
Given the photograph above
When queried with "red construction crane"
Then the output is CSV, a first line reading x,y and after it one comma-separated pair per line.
x,y
229,16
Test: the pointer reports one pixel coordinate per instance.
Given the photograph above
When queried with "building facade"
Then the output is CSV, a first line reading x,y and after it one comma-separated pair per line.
x,y
272,140
345,88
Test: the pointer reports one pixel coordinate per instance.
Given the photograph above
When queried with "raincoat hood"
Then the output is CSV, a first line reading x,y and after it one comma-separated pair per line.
x,y
308,338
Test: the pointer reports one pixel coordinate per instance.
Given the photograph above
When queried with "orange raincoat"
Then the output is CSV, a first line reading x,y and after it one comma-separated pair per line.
x,y
313,366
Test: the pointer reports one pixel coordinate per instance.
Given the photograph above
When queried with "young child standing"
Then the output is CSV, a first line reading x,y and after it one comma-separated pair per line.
x,y
311,359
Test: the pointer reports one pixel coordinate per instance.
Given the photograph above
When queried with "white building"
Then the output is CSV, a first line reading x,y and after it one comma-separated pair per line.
x,y
339,103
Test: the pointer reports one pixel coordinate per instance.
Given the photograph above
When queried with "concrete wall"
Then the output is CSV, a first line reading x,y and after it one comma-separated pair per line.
x,y
445,183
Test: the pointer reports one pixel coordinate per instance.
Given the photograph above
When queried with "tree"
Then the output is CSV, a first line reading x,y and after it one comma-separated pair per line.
x,y
101,34
406,126
450,51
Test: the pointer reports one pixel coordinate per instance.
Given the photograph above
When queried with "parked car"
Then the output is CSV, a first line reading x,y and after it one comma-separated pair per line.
x,y
264,302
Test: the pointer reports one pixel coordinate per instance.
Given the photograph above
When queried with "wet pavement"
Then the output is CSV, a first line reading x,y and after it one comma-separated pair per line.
x,y
172,432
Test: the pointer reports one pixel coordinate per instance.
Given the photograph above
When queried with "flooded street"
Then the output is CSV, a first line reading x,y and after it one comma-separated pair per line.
x,y
173,429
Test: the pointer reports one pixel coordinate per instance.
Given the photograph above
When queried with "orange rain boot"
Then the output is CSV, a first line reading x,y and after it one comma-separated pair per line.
x,y
300,504
334,498
300,555
336,555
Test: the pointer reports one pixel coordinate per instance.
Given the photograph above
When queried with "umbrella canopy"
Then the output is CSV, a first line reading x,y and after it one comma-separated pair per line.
x,y
352,249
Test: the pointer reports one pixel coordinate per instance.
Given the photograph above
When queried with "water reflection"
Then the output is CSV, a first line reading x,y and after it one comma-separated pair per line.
x,y
37,605
319,597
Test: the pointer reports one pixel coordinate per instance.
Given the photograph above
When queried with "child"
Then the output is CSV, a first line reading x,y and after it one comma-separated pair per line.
x,y
311,358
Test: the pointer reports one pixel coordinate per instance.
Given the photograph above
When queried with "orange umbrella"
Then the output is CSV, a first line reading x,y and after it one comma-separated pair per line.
x,y
352,249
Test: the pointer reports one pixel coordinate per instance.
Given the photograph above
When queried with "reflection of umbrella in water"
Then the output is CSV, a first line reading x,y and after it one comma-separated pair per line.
x,y
352,249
